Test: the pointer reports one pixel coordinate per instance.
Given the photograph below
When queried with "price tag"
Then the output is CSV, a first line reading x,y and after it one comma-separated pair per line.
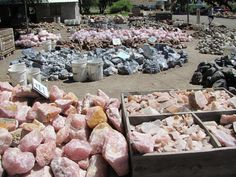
x,y
116,41
152,39
123,55
40,88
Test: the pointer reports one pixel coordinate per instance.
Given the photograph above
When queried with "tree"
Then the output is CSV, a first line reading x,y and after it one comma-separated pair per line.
x,y
226,3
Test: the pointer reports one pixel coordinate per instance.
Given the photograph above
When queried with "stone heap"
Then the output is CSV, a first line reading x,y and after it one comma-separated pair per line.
x,y
89,39
219,73
213,41
56,64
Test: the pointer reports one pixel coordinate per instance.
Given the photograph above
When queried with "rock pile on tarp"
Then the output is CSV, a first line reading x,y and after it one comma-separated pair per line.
x,y
219,73
89,39
214,40
60,136
32,40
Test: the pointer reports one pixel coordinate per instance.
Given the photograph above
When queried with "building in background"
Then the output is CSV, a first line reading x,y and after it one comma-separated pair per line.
x,y
12,11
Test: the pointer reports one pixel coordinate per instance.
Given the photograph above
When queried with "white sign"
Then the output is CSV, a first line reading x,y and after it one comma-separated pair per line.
x,y
40,88
123,55
152,39
116,41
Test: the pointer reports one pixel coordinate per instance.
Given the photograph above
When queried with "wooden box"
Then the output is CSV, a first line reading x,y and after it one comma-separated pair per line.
x,y
7,43
218,162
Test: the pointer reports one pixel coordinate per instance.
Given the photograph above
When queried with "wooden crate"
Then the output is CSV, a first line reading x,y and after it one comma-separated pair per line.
x,y
218,162
7,43
126,94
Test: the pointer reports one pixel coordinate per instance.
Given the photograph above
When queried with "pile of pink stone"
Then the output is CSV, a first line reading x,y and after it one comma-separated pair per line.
x,y
60,136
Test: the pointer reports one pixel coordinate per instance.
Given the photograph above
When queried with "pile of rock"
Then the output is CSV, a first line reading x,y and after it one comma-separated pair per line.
x,y
219,73
32,40
56,64
89,39
212,41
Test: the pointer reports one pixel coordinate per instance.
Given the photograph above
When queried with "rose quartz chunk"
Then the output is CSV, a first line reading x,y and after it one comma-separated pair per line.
x,y
115,151
22,113
58,152
45,153
5,86
84,164
64,167
63,135
55,93
97,167
5,96
77,149
41,172
63,104
77,121
97,137
8,109
5,140
49,134
114,103
16,162
47,113
115,118
59,122
31,141
33,112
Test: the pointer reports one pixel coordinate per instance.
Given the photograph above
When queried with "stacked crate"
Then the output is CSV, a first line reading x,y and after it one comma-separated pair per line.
x,y
218,162
7,44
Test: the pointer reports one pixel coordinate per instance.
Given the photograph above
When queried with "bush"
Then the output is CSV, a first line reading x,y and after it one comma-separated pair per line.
x,y
121,5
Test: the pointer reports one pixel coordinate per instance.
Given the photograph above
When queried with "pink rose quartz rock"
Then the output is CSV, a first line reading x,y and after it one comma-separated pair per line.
x,y
5,140
22,113
103,95
24,92
115,118
39,172
5,86
115,151
97,167
64,167
16,162
84,164
63,104
95,115
5,96
81,134
8,109
63,135
97,137
45,153
55,93
69,111
31,141
114,103
99,101
58,152
77,121
59,122
82,173
143,143
47,112
49,134
77,150
33,112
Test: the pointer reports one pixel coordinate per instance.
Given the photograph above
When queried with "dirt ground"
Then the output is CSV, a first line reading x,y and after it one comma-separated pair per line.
x,y
177,78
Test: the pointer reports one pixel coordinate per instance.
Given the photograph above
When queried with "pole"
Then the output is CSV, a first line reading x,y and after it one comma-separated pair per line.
x,y
26,15
188,11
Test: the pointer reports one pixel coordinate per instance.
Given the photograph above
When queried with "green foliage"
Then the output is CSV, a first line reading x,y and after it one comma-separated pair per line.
x,y
121,5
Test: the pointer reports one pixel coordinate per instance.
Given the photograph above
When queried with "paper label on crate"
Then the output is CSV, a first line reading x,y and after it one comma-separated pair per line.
x,y
123,55
152,39
116,41
40,88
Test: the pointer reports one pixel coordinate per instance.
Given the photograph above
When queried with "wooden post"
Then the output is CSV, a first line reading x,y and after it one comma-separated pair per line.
x,y
198,15
188,11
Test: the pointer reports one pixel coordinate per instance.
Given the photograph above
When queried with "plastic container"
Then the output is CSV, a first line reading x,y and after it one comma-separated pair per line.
x,y
18,66
95,70
47,46
17,76
79,70
33,73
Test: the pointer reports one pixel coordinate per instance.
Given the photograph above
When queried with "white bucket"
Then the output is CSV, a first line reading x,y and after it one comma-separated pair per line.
x,y
17,76
33,73
18,66
47,46
95,70
79,70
